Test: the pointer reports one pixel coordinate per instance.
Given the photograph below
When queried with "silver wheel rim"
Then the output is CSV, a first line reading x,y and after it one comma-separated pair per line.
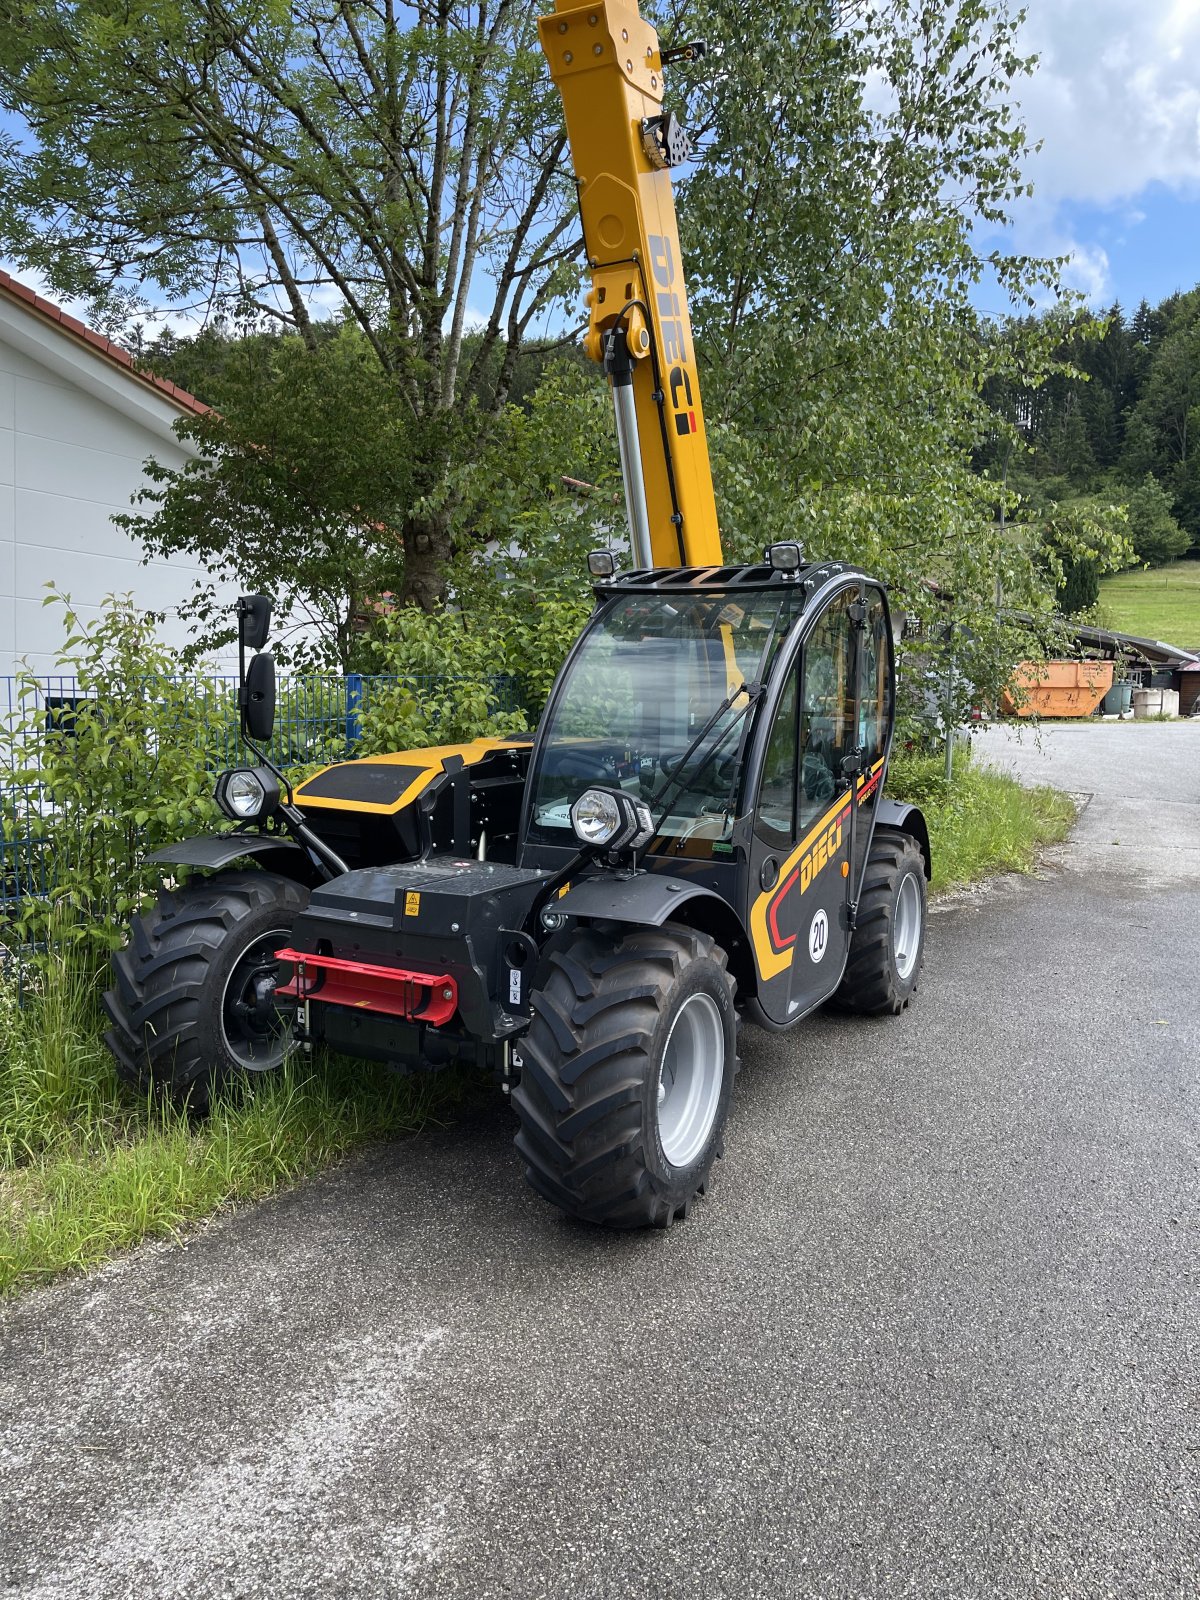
x,y
907,942
270,1050
690,1079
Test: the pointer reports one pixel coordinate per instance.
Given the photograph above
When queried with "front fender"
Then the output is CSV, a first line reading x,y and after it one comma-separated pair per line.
x,y
216,850
646,899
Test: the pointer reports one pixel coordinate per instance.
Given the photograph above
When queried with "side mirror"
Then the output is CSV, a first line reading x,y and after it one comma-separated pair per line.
x,y
258,700
254,620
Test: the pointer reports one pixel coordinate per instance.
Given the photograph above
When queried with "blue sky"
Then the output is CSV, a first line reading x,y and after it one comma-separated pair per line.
x,y
1115,101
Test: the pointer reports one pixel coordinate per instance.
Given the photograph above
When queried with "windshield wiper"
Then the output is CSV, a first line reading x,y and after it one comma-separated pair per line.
x,y
676,780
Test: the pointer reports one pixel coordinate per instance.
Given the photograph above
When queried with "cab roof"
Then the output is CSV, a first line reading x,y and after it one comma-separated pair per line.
x,y
812,575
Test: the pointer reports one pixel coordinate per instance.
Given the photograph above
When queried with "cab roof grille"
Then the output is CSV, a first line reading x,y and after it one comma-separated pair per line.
x,y
817,573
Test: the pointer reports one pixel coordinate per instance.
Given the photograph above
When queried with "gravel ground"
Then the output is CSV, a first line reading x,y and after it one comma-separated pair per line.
x,y
932,1334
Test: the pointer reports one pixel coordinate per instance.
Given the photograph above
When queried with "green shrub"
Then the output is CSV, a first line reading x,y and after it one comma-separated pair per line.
x,y
453,672
424,706
109,780
1080,587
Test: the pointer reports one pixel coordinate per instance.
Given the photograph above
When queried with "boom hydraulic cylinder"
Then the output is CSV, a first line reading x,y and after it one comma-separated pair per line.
x,y
608,66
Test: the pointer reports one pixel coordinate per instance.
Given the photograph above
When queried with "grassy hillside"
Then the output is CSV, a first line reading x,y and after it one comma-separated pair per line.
x,y
1163,603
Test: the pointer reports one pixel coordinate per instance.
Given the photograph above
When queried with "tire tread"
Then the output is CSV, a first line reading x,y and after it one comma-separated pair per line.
x,y
869,983
161,976
579,1098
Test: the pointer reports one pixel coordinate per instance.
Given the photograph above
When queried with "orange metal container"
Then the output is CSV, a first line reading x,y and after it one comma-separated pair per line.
x,y
1059,688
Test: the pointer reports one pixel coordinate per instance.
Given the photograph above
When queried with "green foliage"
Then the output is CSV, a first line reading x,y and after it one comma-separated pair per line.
x,y
830,232
1123,407
520,583
424,707
299,490
1082,540
831,243
452,673
1164,425
542,491
1080,587
123,772
402,165
1154,533
538,645
984,821
211,364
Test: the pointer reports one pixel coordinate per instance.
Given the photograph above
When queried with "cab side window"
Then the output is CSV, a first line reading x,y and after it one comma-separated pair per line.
x,y
875,709
828,725
775,816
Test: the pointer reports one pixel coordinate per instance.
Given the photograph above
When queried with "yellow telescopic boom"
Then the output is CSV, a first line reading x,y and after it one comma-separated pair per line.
x,y
605,60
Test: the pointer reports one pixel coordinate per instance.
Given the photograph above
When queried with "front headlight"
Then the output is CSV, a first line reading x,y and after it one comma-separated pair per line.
x,y
596,818
610,819
246,793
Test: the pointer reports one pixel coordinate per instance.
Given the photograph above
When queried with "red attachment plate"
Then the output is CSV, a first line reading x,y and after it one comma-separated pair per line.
x,y
419,996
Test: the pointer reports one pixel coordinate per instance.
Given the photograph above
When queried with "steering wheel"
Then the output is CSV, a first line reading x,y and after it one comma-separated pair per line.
x,y
581,766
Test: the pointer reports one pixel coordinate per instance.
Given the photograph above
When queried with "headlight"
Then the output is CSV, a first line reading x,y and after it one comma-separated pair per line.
x,y
610,819
247,792
596,818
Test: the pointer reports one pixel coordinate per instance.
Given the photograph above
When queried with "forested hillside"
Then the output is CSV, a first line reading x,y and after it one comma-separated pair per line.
x,y
1122,432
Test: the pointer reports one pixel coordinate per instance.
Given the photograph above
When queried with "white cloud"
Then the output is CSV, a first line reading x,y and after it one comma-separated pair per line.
x,y
1087,271
1115,98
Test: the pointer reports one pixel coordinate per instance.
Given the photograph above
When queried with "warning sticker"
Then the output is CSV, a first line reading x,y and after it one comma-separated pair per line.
x,y
412,905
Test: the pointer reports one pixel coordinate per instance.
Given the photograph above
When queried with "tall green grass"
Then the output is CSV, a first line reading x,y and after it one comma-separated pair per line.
x,y
1158,603
983,822
87,1170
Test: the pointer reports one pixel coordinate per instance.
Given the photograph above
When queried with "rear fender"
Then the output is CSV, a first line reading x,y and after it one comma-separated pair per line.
x,y
910,820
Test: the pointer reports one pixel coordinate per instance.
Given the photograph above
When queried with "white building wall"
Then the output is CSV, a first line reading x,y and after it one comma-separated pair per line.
x,y
75,431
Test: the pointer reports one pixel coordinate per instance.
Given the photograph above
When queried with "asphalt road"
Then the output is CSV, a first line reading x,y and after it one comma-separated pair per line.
x,y
932,1334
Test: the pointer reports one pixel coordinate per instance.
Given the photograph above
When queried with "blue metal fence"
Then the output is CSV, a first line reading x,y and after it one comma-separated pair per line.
x,y
319,719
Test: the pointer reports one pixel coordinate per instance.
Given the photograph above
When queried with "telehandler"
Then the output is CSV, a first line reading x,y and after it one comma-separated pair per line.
x,y
697,832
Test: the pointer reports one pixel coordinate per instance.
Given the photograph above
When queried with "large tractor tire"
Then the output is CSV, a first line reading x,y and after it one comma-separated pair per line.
x,y
192,1005
887,949
626,1074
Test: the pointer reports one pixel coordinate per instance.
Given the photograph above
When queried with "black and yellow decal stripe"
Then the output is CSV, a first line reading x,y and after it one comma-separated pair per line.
x,y
869,782
822,845
773,952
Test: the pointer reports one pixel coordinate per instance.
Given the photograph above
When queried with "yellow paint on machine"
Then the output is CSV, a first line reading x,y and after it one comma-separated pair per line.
x,y
826,849
735,678
813,853
431,761
606,61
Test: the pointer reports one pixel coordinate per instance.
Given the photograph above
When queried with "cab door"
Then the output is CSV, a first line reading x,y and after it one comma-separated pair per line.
x,y
804,819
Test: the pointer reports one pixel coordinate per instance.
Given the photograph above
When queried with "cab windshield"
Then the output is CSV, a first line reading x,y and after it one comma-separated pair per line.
x,y
641,688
